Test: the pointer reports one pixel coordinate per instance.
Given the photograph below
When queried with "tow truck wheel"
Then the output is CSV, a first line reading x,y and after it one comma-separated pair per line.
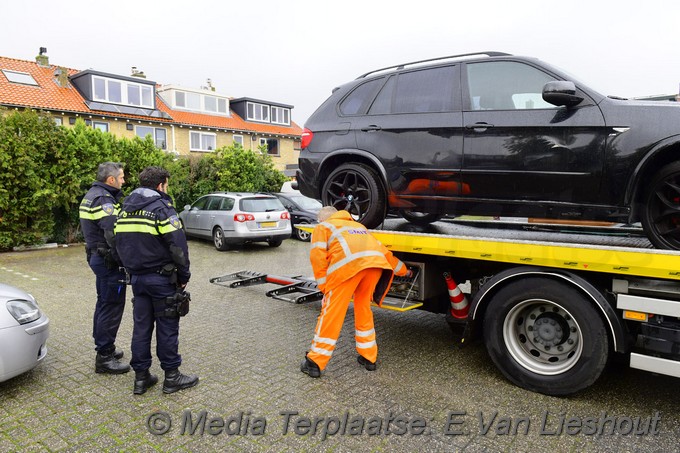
x,y
219,240
545,336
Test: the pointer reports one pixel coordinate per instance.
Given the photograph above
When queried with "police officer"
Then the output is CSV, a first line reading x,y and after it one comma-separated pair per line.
x,y
153,249
98,212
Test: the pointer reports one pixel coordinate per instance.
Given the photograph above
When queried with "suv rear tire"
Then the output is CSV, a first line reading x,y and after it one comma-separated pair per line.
x,y
661,212
356,188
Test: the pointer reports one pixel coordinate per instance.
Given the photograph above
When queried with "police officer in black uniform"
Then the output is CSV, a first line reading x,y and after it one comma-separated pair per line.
x,y
153,249
98,213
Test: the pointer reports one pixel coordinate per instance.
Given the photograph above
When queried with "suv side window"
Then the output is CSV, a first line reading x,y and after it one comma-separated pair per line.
x,y
429,90
506,85
358,100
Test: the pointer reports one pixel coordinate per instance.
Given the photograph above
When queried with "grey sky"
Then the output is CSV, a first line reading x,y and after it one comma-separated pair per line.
x,y
295,52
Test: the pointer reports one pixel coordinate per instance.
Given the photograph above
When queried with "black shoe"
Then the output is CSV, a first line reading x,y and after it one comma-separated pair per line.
x,y
144,381
118,354
107,363
310,368
364,362
174,381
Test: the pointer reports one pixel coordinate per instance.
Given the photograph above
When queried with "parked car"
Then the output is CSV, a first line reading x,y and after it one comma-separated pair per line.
x,y
303,211
24,329
230,218
493,134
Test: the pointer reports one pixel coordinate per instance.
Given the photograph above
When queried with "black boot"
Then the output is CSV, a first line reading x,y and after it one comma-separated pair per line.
x,y
107,363
310,368
174,381
143,381
118,354
363,361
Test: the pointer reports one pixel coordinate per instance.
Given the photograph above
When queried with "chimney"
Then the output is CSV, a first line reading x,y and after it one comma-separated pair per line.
x,y
137,73
42,59
61,77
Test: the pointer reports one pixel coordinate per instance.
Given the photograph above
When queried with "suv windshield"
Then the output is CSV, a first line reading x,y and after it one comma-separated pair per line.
x,y
261,204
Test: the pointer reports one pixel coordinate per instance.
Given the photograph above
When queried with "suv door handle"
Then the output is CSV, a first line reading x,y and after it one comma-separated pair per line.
x,y
371,128
481,126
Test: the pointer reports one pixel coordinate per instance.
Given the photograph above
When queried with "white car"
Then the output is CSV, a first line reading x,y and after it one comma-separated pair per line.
x,y
23,332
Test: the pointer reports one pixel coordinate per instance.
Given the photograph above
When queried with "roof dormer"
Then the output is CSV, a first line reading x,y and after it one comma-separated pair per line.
x,y
204,100
117,94
259,111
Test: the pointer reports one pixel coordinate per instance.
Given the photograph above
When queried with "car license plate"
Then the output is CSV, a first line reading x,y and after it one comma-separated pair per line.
x,y
267,224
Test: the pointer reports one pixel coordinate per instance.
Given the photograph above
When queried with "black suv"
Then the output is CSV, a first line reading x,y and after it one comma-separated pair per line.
x,y
493,134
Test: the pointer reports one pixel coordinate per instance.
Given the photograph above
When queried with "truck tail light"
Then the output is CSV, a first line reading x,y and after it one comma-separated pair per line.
x,y
239,217
307,137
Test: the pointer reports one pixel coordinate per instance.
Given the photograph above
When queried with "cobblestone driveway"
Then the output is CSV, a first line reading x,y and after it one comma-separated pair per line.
x,y
246,348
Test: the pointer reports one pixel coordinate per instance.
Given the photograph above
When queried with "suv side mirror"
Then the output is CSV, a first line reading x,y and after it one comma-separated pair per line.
x,y
561,92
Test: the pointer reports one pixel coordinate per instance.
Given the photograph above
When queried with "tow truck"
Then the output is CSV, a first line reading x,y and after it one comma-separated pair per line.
x,y
551,312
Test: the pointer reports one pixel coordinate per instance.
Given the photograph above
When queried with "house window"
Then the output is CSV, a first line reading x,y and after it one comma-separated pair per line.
x,y
222,106
258,112
122,92
272,145
158,134
238,140
201,102
19,77
114,91
58,121
104,127
193,101
180,99
210,103
202,141
281,115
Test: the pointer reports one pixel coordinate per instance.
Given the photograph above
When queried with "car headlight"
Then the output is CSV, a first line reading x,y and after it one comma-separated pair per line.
x,y
24,311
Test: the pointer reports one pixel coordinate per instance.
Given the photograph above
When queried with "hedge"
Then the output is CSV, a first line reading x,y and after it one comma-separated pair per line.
x,y
46,169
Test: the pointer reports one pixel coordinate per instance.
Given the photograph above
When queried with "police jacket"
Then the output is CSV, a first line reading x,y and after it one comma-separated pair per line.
x,y
342,247
149,234
98,213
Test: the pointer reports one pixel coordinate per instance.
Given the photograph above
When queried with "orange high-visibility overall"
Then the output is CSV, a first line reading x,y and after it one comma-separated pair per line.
x,y
348,261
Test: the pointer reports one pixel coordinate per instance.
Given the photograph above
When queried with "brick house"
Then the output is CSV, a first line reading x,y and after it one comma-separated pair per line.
x,y
181,120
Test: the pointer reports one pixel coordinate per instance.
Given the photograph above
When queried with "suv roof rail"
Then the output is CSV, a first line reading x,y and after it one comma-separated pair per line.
x,y
403,65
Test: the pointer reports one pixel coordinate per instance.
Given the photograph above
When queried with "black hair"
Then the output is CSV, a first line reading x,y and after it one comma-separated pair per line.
x,y
152,176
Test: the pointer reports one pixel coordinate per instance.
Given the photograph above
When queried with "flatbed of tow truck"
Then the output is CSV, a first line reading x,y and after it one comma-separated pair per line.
x,y
615,250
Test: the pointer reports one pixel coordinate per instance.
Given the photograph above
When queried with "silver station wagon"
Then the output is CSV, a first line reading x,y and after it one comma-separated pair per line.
x,y
231,218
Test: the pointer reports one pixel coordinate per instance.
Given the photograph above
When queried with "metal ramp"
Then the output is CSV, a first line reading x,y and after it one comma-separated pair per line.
x,y
299,289
289,285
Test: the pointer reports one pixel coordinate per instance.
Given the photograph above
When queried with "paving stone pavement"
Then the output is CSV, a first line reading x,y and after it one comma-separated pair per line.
x,y
247,348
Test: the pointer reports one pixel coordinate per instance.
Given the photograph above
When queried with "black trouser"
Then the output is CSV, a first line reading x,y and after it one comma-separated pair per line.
x,y
108,311
148,288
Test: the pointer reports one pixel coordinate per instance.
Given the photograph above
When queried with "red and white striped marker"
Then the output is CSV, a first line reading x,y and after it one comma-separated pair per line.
x,y
459,303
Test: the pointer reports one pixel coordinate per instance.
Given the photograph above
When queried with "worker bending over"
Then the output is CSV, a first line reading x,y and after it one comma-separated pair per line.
x,y
347,261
